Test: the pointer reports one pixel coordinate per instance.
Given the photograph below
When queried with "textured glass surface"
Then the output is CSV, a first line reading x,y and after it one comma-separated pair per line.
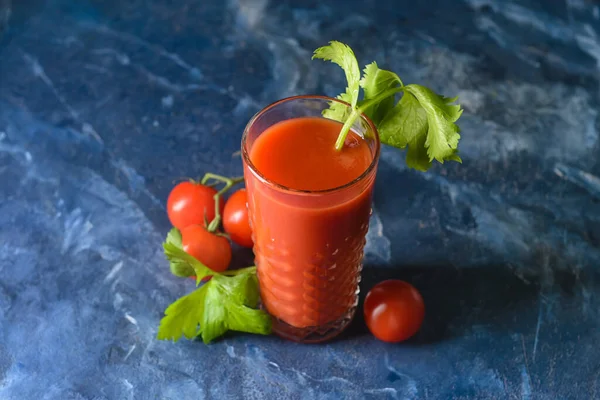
x,y
308,265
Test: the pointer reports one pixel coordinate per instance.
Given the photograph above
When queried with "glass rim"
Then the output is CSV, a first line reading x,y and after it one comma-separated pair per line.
x,y
264,179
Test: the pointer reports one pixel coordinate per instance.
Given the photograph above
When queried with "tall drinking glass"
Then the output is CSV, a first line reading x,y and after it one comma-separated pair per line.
x,y
308,244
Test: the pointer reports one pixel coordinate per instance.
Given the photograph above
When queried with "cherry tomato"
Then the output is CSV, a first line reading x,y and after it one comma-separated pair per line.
x,y
212,250
394,310
189,202
235,219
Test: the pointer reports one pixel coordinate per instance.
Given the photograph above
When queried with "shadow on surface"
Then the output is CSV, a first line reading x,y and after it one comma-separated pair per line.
x,y
456,300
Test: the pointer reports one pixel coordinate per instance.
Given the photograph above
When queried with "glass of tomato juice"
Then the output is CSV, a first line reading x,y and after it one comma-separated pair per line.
x,y
309,206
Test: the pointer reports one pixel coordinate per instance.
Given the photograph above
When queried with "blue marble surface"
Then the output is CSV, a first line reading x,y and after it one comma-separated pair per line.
x,y
104,103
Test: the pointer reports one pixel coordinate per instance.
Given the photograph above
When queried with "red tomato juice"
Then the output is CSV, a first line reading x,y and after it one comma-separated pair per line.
x,y
309,208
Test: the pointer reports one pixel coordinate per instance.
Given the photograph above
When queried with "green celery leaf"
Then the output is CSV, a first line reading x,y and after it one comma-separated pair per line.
x,y
338,111
183,265
242,288
214,320
250,320
174,237
179,267
342,55
408,124
416,154
243,316
374,82
442,133
251,292
223,303
183,316
403,123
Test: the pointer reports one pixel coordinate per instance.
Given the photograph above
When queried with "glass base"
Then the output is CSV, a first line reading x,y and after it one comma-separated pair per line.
x,y
313,334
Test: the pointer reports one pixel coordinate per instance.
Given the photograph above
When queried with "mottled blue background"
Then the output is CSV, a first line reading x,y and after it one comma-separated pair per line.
x,y
104,103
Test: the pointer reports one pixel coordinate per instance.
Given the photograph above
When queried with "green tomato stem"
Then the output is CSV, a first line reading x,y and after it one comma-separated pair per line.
x,y
229,183
357,111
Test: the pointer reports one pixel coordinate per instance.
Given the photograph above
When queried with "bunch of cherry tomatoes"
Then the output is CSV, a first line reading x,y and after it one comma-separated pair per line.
x,y
191,208
393,309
